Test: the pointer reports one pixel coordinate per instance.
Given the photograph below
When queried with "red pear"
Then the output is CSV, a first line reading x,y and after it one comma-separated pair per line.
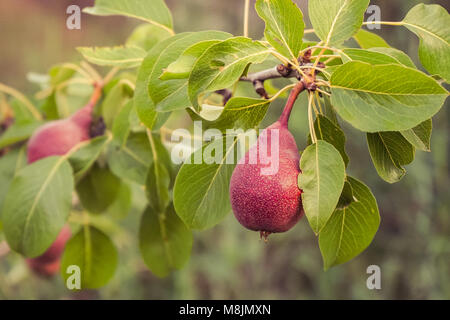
x,y
269,202
58,137
48,263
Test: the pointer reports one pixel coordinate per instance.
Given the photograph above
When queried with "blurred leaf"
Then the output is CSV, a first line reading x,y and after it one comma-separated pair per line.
x,y
146,36
165,242
158,178
18,133
82,159
121,126
98,189
121,205
367,39
94,253
122,57
154,12
284,25
335,21
384,97
420,136
321,180
131,161
37,205
431,24
222,65
201,192
350,230
60,73
22,114
115,99
72,98
10,164
389,152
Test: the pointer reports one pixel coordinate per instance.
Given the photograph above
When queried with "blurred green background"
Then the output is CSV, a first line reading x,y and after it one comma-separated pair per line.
x,y
412,246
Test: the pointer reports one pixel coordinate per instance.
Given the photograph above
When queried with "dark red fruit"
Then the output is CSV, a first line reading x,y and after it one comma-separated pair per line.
x,y
48,263
58,137
269,203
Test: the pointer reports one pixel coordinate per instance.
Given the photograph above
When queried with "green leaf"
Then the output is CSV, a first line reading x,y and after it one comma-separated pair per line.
x,y
181,68
121,205
94,253
82,159
114,101
367,39
321,180
132,160
146,36
330,132
238,113
384,97
37,205
349,231
144,106
389,152
60,73
10,164
173,94
346,197
121,127
369,56
431,23
72,98
158,178
98,189
222,65
122,57
284,25
201,191
17,133
154,11
400,56
335,21
420,136
157,186
164,240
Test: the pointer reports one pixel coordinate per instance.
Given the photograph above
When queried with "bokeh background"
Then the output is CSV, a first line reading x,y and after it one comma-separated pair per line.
x,y
412,246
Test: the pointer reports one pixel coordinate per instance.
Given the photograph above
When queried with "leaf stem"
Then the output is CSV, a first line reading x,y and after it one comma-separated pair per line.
x,y
246,17
389,23
91,71
110,74
152,145
312,131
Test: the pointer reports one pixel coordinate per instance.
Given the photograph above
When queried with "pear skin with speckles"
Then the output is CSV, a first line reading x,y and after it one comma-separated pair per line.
x,y
268,202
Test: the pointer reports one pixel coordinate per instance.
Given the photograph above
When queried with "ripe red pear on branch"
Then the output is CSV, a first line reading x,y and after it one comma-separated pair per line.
x,y
48,263
58,137
269,203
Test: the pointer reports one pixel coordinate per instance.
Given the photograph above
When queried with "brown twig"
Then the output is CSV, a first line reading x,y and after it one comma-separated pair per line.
x,y
258,78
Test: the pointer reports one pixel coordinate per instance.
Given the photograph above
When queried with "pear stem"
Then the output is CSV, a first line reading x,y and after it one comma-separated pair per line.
x,y
284,118
98,87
